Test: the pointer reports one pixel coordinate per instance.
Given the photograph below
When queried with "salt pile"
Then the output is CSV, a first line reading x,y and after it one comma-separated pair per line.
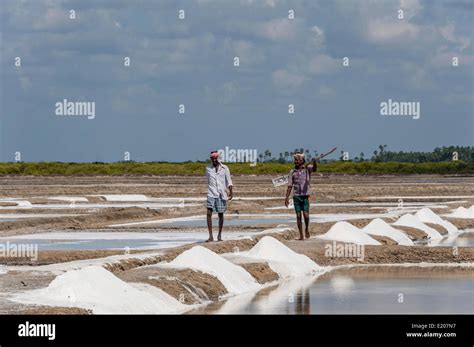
x,y
125,197
428,216
234,278
97,289
69,198
462,212
410,220
3,269
281,259
381,228
24,204
346,232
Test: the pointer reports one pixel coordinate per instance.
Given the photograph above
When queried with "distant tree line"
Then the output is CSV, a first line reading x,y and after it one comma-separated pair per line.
x,y
381,154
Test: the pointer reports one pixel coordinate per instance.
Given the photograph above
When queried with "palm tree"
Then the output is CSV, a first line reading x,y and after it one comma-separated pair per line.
x,y
281,159
268,154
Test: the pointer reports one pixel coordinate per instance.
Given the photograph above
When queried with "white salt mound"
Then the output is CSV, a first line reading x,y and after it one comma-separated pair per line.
x,y
346,232
24,203
3,269
95,288
234,278
69,198
410,220
381,228
428,216
462,212
281,259
125,197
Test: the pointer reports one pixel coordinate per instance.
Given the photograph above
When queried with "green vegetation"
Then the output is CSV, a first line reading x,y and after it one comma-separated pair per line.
x,y
440,161
197,168
381,154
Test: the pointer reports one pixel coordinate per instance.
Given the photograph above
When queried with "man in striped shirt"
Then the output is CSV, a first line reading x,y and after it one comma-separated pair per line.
x,y
299,181
218,181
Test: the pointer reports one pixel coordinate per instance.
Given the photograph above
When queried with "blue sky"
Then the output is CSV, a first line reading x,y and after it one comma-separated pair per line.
x,y
191,61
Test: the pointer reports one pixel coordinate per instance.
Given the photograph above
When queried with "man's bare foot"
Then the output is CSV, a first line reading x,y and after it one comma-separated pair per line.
x,y
210,239
300,239
307,234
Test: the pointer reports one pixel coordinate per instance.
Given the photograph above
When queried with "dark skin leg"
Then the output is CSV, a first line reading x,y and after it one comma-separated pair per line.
x,y
300,226
215,163
221,224
209,225
299,162
306,223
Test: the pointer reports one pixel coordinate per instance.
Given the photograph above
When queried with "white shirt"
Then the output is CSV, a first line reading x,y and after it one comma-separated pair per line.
x,y
218,181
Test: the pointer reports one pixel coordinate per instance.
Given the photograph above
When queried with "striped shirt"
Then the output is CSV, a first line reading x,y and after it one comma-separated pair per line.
x,y
300,180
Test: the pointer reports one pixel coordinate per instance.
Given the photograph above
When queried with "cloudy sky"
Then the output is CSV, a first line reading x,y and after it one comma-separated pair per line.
x,y
190,61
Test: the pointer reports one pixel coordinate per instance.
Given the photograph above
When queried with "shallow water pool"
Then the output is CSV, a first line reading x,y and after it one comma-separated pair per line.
x,y
113,240
465,239
407,291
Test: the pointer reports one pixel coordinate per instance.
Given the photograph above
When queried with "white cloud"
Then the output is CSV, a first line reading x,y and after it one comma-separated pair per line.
x,y
280,29
271,3
448,33
225,93
389,31
317,36
323,64
284,79
410,8
248,53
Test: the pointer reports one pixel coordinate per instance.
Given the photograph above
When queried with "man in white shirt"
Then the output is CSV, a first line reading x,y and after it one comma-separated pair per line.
x,y
218,181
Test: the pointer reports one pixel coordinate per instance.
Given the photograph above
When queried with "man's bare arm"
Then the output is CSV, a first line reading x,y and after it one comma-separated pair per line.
x,y
287,198
314,164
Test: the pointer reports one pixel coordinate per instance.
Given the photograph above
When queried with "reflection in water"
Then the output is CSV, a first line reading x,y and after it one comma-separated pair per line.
x,y
465,239
303,303
363,290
